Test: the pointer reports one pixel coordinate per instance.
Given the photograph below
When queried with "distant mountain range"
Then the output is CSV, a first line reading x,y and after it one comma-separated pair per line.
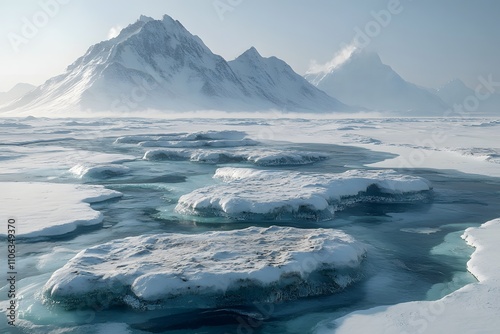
x,y
159,65
363,80
455,92
15,93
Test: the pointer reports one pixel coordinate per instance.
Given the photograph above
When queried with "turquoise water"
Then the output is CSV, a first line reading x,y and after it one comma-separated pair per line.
x,y
414,247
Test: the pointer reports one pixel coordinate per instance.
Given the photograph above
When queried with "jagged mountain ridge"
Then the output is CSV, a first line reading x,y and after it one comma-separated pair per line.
x,y
273,79
158,64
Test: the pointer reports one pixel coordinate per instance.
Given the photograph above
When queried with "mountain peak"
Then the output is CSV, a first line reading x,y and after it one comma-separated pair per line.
x,y
175,71
367,57
364,80
15,92
22,86
250,54
252,51
167,20
144,18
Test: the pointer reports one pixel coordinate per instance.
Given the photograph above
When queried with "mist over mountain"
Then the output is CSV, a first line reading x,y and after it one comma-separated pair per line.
x,y
15,92
363,80
455,92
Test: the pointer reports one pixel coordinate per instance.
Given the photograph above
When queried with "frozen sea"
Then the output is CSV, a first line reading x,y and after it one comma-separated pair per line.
x,y
238,225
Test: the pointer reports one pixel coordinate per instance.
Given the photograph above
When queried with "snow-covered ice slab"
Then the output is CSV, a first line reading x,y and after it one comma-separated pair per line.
x,y
263,157
209,269
98,171
200,143
254,191
195,136
50,209
226,138
471,309
285,158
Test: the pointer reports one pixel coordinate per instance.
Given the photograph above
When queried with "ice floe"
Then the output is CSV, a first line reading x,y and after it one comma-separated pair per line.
x,y
50,209
472,309
255,191
98,171
281,158
262,157
229,135
200,143
227,267
225,138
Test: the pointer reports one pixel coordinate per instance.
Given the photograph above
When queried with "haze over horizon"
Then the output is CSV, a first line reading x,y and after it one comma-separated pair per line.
x,y
428,43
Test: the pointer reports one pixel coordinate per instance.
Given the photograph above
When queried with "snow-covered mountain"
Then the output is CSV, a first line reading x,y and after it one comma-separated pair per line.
x,y
363,80
455,92
15,92
272,80
158,64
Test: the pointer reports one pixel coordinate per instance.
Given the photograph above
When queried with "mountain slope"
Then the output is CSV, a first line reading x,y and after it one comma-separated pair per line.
x,y
15,93
158,64
455,92
273,80
363,80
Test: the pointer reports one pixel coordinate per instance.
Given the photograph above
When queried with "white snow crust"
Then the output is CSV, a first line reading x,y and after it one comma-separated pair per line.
x,y
50,209
248,190
98,171
262,157
150,268
471,309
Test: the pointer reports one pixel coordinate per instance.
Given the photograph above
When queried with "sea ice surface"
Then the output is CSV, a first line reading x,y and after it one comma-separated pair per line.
x,y
252,264
98,171
50,209
473,308
246,190
262,157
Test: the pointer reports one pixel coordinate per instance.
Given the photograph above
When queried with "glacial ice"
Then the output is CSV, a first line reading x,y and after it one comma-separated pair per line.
x,y
226,267
246,190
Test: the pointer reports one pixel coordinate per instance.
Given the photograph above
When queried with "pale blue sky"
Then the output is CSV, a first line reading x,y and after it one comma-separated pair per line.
x,y
428,42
